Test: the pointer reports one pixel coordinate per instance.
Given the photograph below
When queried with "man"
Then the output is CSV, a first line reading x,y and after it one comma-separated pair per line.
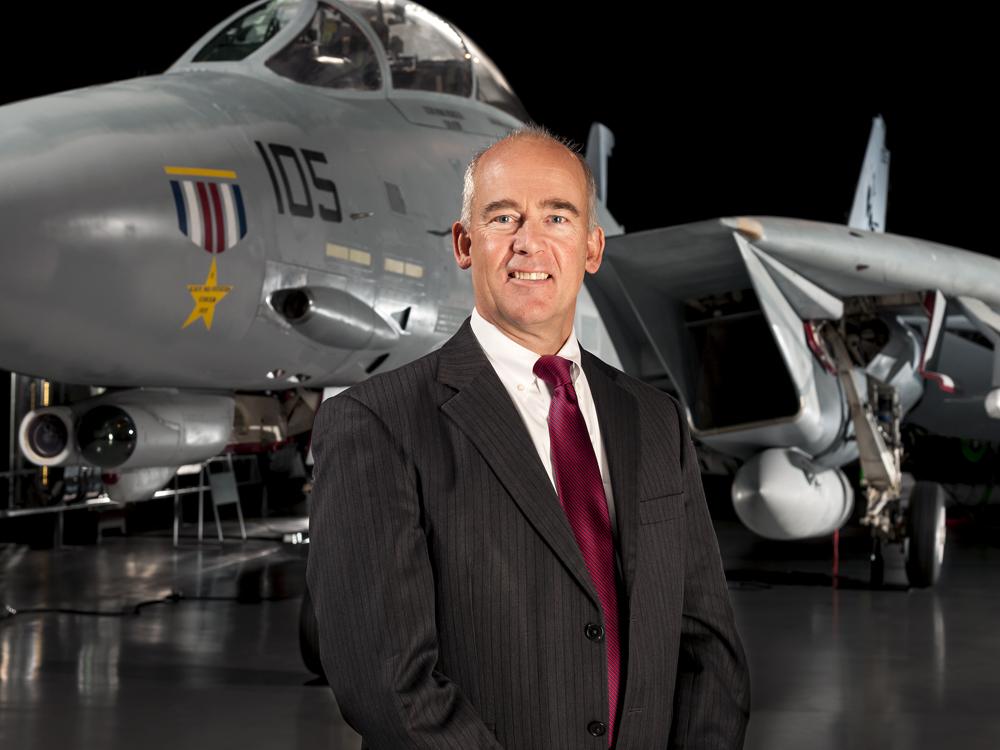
x,y
480,581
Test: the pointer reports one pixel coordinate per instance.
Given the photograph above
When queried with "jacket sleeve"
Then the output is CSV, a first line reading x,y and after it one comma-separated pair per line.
x,y
712,695
370,577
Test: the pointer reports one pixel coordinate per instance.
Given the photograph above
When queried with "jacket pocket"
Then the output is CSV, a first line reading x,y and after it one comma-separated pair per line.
x,y
661,507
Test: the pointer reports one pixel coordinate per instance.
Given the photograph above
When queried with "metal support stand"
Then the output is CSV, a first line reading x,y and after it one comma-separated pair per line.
x,y
225,492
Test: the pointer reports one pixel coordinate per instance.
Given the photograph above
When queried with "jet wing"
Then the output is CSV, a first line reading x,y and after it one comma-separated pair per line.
x,y
654,283
703,258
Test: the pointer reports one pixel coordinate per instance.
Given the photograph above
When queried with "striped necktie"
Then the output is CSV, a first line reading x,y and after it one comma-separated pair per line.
x,y
581,493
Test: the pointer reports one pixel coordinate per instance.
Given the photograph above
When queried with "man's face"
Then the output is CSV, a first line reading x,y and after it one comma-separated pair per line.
x,y
529,214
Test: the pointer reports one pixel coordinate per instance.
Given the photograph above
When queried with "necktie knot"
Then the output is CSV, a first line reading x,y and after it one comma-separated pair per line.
x,y
554,370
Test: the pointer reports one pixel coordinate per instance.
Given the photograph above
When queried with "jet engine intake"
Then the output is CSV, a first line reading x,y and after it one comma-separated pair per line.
x,y
46,436
132,429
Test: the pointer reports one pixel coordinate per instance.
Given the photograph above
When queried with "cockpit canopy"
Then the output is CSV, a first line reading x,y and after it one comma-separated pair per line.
x,y
424,52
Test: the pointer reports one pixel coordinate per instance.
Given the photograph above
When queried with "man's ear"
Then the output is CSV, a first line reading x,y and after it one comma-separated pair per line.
x,y
595,249
461,243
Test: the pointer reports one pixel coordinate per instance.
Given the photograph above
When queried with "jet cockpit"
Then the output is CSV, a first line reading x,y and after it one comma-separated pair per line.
x,y
357,46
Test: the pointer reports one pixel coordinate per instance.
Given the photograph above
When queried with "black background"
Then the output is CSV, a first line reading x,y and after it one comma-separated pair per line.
x,y
715,113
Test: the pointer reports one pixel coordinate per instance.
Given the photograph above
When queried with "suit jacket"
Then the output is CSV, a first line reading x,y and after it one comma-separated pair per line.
x,y
452,600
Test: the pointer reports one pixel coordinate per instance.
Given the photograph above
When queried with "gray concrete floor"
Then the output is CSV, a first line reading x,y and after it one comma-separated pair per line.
x,y
830,668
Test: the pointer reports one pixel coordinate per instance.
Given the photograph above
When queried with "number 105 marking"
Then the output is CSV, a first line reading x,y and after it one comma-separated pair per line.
x,y
282,154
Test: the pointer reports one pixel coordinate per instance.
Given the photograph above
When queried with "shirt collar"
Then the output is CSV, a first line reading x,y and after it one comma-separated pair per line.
x,y
513,362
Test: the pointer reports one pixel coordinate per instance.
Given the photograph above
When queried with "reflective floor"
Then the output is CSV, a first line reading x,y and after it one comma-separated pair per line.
x,y
860,668
830,667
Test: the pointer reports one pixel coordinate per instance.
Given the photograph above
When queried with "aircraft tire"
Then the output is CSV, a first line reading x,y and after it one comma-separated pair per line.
x,y
309,636
925,539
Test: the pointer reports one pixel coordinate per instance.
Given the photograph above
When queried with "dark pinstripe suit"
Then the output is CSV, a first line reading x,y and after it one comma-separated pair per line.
x,y
451,596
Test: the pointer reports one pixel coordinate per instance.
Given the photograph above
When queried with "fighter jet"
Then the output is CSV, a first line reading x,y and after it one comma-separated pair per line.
x,y
273,214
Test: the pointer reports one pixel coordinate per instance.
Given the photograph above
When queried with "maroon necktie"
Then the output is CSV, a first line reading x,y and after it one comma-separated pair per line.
x,y
581,492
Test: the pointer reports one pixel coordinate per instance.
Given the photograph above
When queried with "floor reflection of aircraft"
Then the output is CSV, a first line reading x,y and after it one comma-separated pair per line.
x,y
314,152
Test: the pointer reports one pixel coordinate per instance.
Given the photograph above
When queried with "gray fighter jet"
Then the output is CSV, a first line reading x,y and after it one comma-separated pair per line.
x,y
274,213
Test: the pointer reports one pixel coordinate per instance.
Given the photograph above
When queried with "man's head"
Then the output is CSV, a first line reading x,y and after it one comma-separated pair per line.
x,y
529,205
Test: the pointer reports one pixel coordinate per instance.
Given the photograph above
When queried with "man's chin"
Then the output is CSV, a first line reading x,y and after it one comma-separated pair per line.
x,y
532,318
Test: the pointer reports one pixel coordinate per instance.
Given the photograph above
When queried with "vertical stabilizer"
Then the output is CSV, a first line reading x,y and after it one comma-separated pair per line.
x,y
868,211
600,142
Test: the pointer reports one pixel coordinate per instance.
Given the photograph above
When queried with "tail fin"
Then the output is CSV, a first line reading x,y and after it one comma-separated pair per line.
x,y
868,211
600,142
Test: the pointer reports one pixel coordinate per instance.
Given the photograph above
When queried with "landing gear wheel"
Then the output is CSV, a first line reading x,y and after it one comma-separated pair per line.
x,y
925,534
309,636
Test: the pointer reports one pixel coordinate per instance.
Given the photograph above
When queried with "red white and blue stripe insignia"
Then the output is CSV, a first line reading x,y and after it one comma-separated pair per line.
x,y
211,214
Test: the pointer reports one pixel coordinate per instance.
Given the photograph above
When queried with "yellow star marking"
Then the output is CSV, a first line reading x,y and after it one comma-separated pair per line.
x,y
206,296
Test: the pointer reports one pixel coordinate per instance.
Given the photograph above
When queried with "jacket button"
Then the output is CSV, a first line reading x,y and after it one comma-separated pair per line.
x,y
597,728
594,631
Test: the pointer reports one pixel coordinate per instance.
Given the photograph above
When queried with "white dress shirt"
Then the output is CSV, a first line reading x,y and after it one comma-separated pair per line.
x,y
514,365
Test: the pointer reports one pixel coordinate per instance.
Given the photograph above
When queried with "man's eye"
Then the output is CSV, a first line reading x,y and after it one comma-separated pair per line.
x,y
562,219
503,216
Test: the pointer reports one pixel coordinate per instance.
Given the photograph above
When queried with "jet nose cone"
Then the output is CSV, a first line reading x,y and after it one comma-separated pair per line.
x,y
26,183
71,183
90,242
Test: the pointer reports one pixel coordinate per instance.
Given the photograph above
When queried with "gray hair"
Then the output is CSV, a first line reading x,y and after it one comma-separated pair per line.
x,y
531,130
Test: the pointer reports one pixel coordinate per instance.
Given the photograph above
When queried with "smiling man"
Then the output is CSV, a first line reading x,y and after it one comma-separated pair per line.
x,y
510,545
535,232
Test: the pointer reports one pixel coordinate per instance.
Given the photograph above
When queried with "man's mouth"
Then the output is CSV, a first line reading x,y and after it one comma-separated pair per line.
x,y
528,275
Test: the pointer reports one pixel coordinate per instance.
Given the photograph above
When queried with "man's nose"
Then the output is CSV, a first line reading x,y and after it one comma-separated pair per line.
x,y
527,239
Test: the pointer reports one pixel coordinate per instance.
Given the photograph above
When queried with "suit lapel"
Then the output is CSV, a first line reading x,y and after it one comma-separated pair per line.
x,y
618,417
483,410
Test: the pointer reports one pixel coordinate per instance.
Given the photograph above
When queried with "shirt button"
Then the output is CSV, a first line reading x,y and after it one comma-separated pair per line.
x,y
597,728
594,631
520,387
